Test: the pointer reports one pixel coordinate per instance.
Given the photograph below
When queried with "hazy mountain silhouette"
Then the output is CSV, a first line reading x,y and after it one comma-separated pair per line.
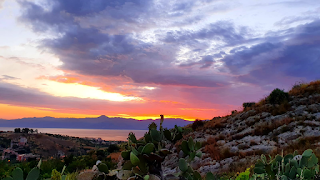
x,y
102,122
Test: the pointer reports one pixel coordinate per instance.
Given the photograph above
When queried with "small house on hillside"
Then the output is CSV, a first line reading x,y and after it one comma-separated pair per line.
x,y
25,157
23,141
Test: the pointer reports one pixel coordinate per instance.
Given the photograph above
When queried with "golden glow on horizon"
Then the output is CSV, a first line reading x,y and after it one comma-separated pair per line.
x,y
146,117
84,91
17,112
197,109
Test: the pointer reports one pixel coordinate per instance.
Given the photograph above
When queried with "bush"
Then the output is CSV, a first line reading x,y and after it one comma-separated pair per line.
x,y
212,149
196,124
283,108
278,96
248,104
113,148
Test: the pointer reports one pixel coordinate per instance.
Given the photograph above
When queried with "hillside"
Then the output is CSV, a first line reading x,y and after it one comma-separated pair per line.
x,y
49,145
234,142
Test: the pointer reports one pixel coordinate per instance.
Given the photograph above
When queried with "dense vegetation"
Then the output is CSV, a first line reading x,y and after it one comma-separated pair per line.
x,y
74,164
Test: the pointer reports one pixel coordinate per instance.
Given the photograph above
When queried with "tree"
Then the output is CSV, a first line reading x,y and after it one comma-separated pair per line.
x,y
17,130
25,130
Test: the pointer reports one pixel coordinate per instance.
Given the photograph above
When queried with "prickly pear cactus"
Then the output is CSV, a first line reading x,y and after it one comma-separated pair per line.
x,y
142,158
190,148
291,166
17,174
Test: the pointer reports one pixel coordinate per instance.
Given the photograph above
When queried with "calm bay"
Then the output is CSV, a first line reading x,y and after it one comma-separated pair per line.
x,y
105,134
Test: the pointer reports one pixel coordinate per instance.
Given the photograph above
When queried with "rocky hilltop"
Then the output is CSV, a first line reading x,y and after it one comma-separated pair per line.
x,y
281,122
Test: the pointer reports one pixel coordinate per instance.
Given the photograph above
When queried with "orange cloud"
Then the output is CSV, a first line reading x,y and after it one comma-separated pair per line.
x,y
197,109
170,102
16,112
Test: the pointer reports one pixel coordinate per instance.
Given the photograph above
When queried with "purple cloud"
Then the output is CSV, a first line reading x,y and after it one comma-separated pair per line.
x,y
298,56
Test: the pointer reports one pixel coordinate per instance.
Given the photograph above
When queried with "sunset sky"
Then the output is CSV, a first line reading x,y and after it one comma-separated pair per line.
x,y
140,58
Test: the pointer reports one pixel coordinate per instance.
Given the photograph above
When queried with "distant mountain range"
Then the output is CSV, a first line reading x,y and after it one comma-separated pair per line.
x,y
102,122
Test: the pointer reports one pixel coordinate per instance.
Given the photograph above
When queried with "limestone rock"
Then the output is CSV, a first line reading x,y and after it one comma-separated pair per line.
x,y
88,175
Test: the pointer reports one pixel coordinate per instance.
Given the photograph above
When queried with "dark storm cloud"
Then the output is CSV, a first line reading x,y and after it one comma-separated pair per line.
x,y
298,56
88,51
221,31
61,15
91,51
243,56
85,7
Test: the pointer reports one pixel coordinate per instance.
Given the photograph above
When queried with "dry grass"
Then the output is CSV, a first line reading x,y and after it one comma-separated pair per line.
x,y
283,108
216,123
303,88
114,156
300,145
240,136
266,128
212,149
217,153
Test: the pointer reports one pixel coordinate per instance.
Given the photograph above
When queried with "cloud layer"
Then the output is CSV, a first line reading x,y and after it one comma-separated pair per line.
x,y
197,54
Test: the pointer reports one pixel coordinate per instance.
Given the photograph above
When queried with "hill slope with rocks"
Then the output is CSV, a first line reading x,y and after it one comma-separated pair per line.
x,y
281,122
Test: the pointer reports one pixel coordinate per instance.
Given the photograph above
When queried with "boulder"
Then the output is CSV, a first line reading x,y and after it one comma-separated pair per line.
x,y
264,148
289,135
196,163
264,115
300,110
89,175
234,149
312,133
317,115
209,168
314,108
221,142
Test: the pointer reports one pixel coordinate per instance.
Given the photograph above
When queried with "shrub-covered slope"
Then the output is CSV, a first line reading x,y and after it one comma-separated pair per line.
x,y
282,121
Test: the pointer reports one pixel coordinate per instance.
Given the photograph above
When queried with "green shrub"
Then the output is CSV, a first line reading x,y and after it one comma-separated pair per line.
x,y
244,175
277,96
72,176
55,175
